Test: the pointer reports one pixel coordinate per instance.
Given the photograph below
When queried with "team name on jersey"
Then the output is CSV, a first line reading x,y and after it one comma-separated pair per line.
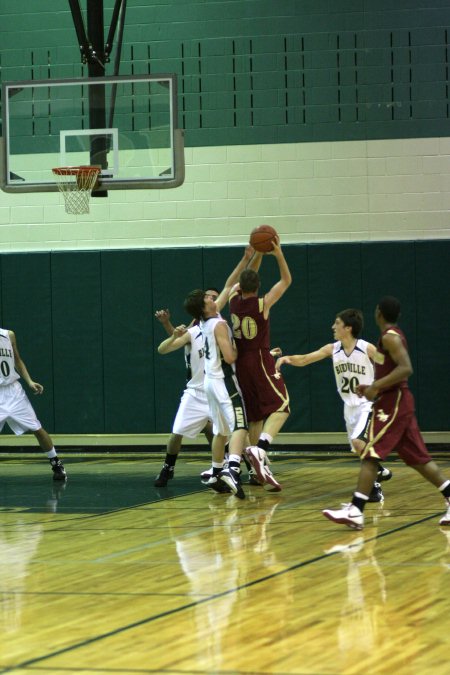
x,y
350,368
6,352
240,417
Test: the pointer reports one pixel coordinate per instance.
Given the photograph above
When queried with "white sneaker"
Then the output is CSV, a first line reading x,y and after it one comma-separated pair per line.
x,y
384,474
259,461
271,484
445,520
350,515
206,475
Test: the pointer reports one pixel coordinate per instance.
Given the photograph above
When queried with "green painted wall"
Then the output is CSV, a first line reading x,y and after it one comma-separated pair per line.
x,y
259,71
85,327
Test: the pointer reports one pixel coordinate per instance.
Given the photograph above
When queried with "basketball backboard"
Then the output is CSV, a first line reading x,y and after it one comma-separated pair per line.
x,y
127,125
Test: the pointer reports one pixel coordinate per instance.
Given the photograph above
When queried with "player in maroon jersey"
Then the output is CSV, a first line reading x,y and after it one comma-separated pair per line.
x,y
393,423
265,395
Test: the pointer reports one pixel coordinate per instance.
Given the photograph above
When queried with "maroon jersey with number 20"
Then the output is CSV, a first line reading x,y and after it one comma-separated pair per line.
x,y
263,388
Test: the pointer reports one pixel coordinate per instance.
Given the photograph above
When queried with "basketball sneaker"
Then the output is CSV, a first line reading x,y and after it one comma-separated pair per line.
x,y
59,472
349,515
271,484
376,494
253,478
383,474
232,478
166,474
259,461
206,475
215,484
445,520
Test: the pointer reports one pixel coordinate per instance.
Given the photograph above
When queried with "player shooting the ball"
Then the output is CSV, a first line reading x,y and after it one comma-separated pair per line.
x,y
265,395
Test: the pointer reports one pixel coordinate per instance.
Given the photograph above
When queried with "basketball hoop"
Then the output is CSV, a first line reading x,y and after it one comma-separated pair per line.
x,y
76,183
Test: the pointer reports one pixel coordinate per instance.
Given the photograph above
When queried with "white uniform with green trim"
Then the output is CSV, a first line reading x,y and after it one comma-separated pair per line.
x,y
221,385
350,371
15,408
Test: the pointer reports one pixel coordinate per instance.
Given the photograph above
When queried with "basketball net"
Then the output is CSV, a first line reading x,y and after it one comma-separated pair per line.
x,y
76,184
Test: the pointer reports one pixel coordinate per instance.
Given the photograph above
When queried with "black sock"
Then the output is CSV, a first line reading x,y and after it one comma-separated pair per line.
x,y
359,502
216,470
170,460
235,465
446,491
263,443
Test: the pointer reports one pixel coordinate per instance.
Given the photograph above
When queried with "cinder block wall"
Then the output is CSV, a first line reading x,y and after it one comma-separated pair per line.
x,y
329,122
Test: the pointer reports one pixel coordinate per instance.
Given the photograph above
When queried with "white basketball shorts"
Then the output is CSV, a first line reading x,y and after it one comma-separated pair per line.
x,y
16,410
226,405
192,414
356,417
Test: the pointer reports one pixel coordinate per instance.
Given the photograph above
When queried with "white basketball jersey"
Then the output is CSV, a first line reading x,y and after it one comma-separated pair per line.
x,y
352,370
215,367
194,356
8,373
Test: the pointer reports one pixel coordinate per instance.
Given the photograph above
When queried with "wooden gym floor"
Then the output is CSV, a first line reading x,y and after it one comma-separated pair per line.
x,y
109,574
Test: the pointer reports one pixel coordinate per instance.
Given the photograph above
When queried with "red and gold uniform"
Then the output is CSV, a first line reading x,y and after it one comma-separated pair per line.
x,y
263,388
393,425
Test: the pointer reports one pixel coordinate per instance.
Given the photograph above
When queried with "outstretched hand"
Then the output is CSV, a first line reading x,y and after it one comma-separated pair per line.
x,y
281,361
163,315
276,247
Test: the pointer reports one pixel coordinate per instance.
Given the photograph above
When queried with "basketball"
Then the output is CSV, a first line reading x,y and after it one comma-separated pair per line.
x,y
261,238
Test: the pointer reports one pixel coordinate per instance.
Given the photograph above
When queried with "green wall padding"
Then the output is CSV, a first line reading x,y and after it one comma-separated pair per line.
x,y
127,340
77,342
86,328
27,310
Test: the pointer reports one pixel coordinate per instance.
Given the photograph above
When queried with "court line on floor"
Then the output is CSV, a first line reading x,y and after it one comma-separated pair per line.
x,y
210,598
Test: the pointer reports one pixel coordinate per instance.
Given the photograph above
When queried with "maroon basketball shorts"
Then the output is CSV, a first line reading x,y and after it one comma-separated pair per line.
x,y
263,388
393,426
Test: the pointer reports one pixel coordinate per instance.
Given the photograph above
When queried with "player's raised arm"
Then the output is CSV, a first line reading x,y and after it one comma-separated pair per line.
x,y
179,338
285,281
163,316
233,278
301,360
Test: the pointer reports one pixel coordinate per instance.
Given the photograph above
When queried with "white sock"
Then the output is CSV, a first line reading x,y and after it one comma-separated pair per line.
x,y
217,465
266,437
52,453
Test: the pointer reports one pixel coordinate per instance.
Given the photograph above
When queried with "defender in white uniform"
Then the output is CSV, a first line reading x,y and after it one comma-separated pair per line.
x,y
193,415
15,408
352,365
224,397
351,368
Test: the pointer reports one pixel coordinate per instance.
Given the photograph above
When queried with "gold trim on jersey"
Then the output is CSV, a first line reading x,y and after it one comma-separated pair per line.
x,y
382,417
285,401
